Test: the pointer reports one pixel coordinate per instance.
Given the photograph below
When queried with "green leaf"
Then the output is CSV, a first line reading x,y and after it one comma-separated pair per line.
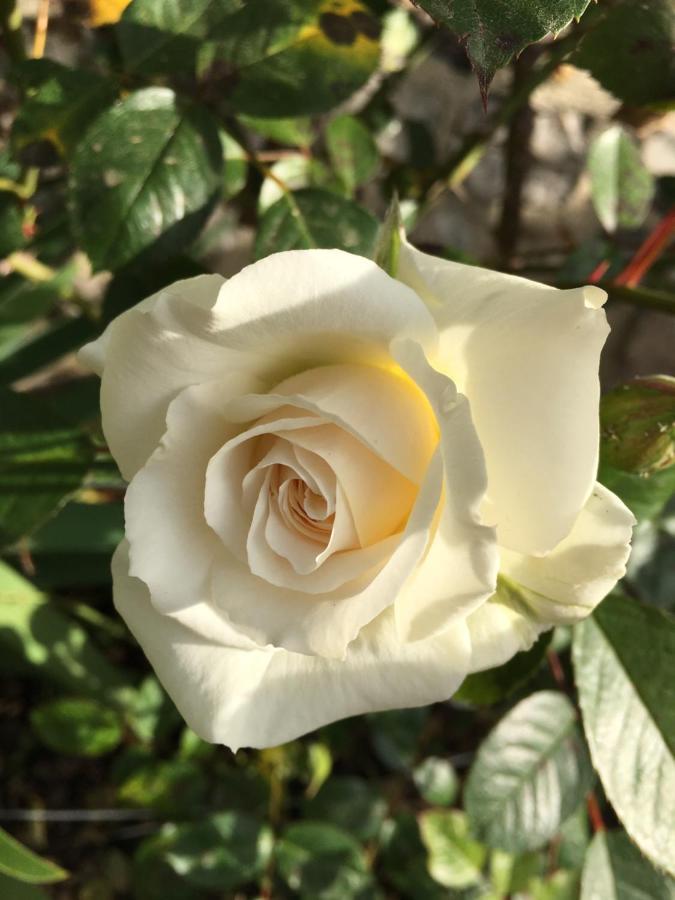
x,y
77,727
562,885
153,878
494,685
389,237
147,169
42,462
630,51
437,781
456,859
644,495
320,765
236,166
11,231
149,711
350,803
638,425
574,840
295,172
322,862
20,890
21,863
291,57
75,546
174,787
404,860
315,218
293,132
224,852
59,102
63,337
622,187
161,36
494,32
615,870
623,663
352,151
511,874
395,735
530,774
38,635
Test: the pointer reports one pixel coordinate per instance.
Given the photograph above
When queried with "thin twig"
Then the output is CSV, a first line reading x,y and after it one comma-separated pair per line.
x,y
516,162
640,296
41,26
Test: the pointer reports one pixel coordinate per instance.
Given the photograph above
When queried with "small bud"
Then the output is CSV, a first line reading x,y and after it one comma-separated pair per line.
x,y
638,425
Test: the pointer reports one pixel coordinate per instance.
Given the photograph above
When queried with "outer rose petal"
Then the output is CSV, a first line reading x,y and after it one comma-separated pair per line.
x,y
240,696
286,313
526,355
571,580
562,587
148,355
459,570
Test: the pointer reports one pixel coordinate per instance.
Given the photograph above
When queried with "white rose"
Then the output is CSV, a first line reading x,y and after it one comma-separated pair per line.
x,y
329,469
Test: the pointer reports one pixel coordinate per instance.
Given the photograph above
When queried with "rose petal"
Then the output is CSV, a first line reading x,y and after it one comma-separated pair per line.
x,y
573,578
172,546
527,357
459,571
562,587
325,622
300,309
285,313
146,357
261,698
499,629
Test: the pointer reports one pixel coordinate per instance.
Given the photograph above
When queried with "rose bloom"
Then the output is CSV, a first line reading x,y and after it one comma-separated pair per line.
x,y
348,491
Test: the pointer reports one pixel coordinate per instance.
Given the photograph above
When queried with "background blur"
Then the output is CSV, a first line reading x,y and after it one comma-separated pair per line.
x,y
135,152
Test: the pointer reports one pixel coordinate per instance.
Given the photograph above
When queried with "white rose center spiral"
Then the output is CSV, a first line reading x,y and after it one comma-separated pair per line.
x,y
307,501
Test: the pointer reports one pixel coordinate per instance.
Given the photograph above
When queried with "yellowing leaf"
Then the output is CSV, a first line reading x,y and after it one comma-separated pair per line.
x,y
106,12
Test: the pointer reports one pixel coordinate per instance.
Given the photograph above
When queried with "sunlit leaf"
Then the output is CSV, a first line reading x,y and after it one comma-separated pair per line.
x,y
530,774
494,31
616,870
314,217
623,663
621,186
147,169
21,863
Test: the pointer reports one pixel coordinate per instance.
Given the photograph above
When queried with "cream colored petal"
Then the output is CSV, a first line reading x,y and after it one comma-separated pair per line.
x,y
459,570
172,546
500,628
384,409
231,494
277,317
526,355
324,623
379,497
570,581
261,698
300,309
536,593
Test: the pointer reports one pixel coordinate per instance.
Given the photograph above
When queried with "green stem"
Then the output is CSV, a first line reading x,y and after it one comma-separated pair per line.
x,y
24,189
10,26
641,296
